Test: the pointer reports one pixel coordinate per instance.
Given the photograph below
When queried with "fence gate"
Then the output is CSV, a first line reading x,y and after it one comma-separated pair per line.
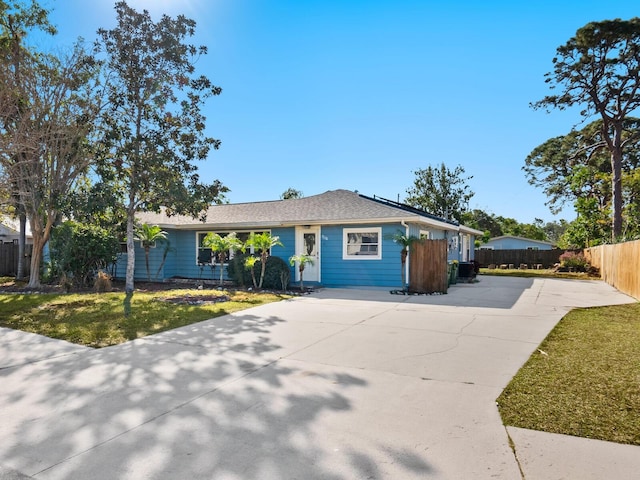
x,y
428,267
9,259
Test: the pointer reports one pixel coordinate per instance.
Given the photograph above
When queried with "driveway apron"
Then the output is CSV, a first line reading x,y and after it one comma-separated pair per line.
x,y
342,384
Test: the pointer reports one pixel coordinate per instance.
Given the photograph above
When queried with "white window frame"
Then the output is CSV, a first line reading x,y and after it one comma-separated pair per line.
x,y
345,238
425,235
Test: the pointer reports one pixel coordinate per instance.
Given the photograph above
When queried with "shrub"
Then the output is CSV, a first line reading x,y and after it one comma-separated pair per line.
x,y
79,251
237,271
574,260
276,275
102,283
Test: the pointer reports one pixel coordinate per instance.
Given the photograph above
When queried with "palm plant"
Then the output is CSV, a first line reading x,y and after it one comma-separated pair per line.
x,y
302,260
405,242
249,264
148,235
263,242
221,245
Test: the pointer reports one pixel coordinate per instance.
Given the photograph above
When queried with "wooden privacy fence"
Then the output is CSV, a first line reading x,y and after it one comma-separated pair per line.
x,y
546,258
9,259
619,265
428,267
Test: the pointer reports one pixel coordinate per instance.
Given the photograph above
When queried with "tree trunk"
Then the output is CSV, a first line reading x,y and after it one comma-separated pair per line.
x,y
222,259
301,269
22,242
36,259
41,232
616,184
262,269
403,262
131,254
146,262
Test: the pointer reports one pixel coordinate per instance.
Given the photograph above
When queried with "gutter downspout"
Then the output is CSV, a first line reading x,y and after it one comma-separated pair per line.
x,y
406,266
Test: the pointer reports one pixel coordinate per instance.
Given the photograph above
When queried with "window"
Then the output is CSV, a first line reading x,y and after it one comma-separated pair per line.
x,y
424,234
532,248
362,244
206,256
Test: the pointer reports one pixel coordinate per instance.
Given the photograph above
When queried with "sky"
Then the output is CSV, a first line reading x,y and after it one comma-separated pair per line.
x,y
360,94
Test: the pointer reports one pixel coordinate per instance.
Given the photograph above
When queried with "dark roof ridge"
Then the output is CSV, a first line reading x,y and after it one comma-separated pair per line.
x,y
409,208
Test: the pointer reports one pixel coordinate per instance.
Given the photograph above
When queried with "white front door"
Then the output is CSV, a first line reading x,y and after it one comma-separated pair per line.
x,y
308,243
466,240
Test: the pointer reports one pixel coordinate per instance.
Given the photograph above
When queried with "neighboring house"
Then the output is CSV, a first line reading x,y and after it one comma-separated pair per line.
x,y
10,231
510,242
348,234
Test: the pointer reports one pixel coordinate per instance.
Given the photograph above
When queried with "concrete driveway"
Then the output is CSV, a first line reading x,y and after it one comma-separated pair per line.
x,y
338,385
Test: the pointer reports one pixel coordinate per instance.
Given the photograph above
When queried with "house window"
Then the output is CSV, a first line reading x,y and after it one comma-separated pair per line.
x,y
206,256
532,248
362,244
424,235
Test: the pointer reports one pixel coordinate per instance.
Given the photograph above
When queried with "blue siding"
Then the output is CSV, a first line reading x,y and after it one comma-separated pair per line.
x,y
516,244
288,238
182,260
140,271
337,272
334,271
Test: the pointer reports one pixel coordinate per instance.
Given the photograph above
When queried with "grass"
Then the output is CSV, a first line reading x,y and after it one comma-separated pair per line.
x,y
587,381
544,273
98,320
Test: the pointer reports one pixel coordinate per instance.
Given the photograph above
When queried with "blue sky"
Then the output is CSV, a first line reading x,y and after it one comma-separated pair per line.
x,y
322,95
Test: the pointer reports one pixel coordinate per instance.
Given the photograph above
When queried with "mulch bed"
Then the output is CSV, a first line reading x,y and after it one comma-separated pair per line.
x,y
196,299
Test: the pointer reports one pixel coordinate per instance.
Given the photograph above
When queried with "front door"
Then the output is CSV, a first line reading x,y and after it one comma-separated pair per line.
x,y
308,243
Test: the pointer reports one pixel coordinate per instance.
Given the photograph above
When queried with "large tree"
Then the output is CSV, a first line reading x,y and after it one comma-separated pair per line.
x,y
17,20
46,149
599,71
576,168
154,127
441,191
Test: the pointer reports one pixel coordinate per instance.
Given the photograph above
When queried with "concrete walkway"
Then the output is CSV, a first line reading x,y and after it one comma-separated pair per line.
x,y
338,385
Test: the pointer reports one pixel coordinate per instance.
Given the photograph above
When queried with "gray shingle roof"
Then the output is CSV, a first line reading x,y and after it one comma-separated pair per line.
x,y
334,206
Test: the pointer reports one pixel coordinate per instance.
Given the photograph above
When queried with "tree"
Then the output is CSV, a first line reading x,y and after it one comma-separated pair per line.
x,y
291,193
302,260
221,245
405,241
554,230
577,168
484,221
599,70
153,126
46,149
262,243
16,22
148,236
441,191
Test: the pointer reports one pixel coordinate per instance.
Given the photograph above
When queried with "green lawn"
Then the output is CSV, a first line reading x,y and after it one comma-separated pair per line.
x,y
98,320
587,381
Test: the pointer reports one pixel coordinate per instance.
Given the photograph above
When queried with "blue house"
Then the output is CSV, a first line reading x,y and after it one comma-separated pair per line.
x,y
511,242
349,235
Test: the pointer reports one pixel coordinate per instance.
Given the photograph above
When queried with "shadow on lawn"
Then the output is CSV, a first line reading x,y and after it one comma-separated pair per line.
x,y
209,400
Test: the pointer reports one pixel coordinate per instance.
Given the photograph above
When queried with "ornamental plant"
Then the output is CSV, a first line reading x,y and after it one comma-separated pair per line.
x,y
573,260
